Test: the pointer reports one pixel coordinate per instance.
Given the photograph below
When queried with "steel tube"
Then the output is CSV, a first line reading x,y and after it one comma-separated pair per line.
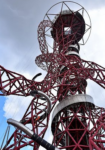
x,y
32,135
33,93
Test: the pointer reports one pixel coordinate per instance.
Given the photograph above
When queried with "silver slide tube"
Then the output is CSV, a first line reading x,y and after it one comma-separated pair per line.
x,y
33,93
32,135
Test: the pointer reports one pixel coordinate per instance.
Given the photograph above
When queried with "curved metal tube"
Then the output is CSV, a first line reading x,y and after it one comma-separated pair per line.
x,y
39,74
32,135
46,111
20,126
48,101
33,93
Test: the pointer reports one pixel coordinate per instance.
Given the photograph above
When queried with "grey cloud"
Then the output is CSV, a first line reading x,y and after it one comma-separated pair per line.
x,y
18,34
19,21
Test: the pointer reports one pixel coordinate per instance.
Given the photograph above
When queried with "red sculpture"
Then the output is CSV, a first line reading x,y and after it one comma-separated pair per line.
x,y
76,122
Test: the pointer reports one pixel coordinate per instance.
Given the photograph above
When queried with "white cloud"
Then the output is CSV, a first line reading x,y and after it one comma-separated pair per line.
x,y
94,51
15,106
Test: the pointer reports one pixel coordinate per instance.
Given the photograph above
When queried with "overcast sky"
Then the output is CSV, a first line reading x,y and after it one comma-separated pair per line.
x,y
19,20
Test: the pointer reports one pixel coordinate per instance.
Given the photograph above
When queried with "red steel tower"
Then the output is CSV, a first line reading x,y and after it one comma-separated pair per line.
x,y
77,124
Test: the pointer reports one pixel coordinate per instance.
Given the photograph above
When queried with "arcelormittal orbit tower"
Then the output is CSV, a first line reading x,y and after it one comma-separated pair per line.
x,y
76,123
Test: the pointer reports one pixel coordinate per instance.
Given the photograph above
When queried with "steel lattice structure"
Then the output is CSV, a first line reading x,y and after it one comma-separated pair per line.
x,y
76,122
